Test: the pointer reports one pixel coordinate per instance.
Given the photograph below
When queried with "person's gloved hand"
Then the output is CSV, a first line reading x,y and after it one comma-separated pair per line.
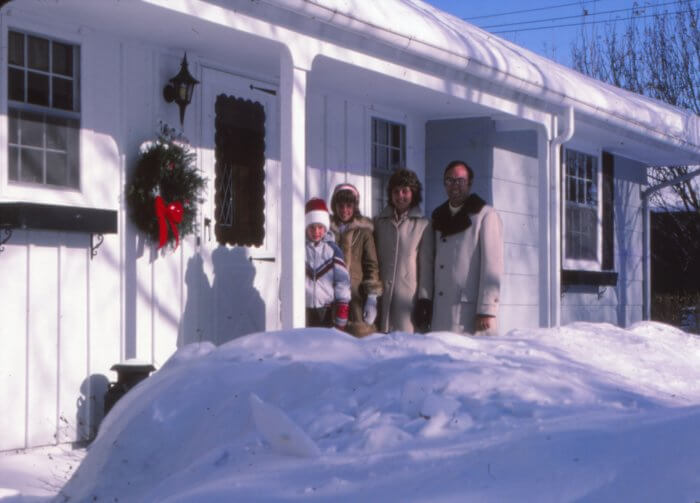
x,y
423,314
370,311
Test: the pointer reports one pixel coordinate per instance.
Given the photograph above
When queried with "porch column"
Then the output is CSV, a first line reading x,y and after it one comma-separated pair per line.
x,y
293,156
545,228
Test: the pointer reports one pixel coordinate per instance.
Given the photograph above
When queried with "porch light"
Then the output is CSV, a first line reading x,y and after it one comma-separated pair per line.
x,y
180,89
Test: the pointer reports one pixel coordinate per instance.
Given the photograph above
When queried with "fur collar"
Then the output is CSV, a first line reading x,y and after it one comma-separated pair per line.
x,y
448,224
359,222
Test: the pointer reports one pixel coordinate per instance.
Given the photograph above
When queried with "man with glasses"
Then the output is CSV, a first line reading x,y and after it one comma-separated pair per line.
x,y
468,258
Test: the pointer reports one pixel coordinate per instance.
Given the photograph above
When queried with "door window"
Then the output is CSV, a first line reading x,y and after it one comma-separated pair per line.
x,y
239,199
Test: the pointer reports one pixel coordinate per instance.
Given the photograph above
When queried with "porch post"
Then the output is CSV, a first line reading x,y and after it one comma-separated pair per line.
x,y
545,228
293,157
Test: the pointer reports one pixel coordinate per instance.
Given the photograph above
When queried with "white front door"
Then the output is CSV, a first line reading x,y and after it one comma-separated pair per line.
x,y
239,232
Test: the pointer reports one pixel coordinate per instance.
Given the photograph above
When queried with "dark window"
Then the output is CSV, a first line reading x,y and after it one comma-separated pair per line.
x,y
240,172
44,116
388,155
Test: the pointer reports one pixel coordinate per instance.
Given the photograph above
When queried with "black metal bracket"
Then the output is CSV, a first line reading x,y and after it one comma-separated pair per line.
x,y
93,246
7,229
268,91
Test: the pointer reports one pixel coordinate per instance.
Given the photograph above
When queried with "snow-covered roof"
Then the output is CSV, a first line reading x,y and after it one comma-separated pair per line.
x,y
419,28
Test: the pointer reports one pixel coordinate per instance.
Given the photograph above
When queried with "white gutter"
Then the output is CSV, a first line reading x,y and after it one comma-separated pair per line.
x,y
554,209
687,124
646,245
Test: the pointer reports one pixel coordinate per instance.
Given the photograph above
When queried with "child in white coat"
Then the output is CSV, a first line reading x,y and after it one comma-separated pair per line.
x,y
327,279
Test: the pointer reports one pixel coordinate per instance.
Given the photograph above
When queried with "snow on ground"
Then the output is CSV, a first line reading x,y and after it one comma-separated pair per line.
x,y
587,412
36,475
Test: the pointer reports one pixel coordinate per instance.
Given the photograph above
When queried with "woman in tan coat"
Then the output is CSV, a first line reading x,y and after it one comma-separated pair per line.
x,y
354,235
404,241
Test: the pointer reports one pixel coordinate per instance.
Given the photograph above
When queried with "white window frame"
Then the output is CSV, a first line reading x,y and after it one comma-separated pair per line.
x,y
371,143
573,263
36,192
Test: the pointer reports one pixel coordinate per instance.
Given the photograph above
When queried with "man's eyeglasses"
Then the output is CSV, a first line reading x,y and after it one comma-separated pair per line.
x,y
455,181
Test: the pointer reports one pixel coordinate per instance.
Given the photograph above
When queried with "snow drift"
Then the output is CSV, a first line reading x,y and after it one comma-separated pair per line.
x,y
587,412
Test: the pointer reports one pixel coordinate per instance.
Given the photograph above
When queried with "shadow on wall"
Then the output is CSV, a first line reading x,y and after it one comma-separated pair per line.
x,y
90,406
230,307
624,222
196,312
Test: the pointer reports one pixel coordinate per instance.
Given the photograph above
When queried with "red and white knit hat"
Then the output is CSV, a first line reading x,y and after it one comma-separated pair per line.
x,y
317,212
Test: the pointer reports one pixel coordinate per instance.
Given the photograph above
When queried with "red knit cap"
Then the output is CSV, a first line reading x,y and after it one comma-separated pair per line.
x,y
317,212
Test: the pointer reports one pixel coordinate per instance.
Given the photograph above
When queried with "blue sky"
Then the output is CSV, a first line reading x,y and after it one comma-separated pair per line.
x,y
554,39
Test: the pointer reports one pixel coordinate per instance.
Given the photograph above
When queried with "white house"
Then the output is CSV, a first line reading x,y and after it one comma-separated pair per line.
x,y
350,90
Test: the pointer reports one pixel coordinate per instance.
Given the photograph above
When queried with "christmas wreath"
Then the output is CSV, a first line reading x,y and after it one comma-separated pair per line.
x,y
164,189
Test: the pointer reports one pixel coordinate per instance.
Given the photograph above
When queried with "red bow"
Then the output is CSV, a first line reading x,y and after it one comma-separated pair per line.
x,y
168,213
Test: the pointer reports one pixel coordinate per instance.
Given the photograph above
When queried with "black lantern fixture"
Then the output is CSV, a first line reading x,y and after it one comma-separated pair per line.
x,y
180,89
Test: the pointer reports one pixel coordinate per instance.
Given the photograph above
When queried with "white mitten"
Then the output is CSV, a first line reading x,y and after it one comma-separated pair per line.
x,y
370,312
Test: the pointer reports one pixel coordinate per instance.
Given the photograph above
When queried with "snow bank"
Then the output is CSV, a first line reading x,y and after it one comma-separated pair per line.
x,y
585,412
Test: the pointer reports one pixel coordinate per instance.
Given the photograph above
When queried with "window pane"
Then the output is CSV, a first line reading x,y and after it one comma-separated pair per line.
x,y
569,245
15,51
395,159
570,163
13,173
62,59
382,134
396,135
571,190
13,126
38,53
573,221
62,93
32,166
37,89
32,130
589,237
56,168
15,84
72,134
56,133
591,191
382,160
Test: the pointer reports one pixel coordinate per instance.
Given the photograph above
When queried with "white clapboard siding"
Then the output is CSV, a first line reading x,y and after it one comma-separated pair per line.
x,y
105,324
60,333
42,337
13,338
72,335
315,151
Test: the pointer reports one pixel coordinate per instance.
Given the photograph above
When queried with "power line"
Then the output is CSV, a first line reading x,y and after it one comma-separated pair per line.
x,y
586,23
530,10
635,9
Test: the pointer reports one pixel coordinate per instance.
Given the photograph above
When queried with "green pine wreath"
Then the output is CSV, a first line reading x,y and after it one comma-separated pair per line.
x,y
165,168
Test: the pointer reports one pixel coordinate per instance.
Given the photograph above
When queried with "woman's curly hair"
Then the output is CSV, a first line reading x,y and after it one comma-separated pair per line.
x,y
406,178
